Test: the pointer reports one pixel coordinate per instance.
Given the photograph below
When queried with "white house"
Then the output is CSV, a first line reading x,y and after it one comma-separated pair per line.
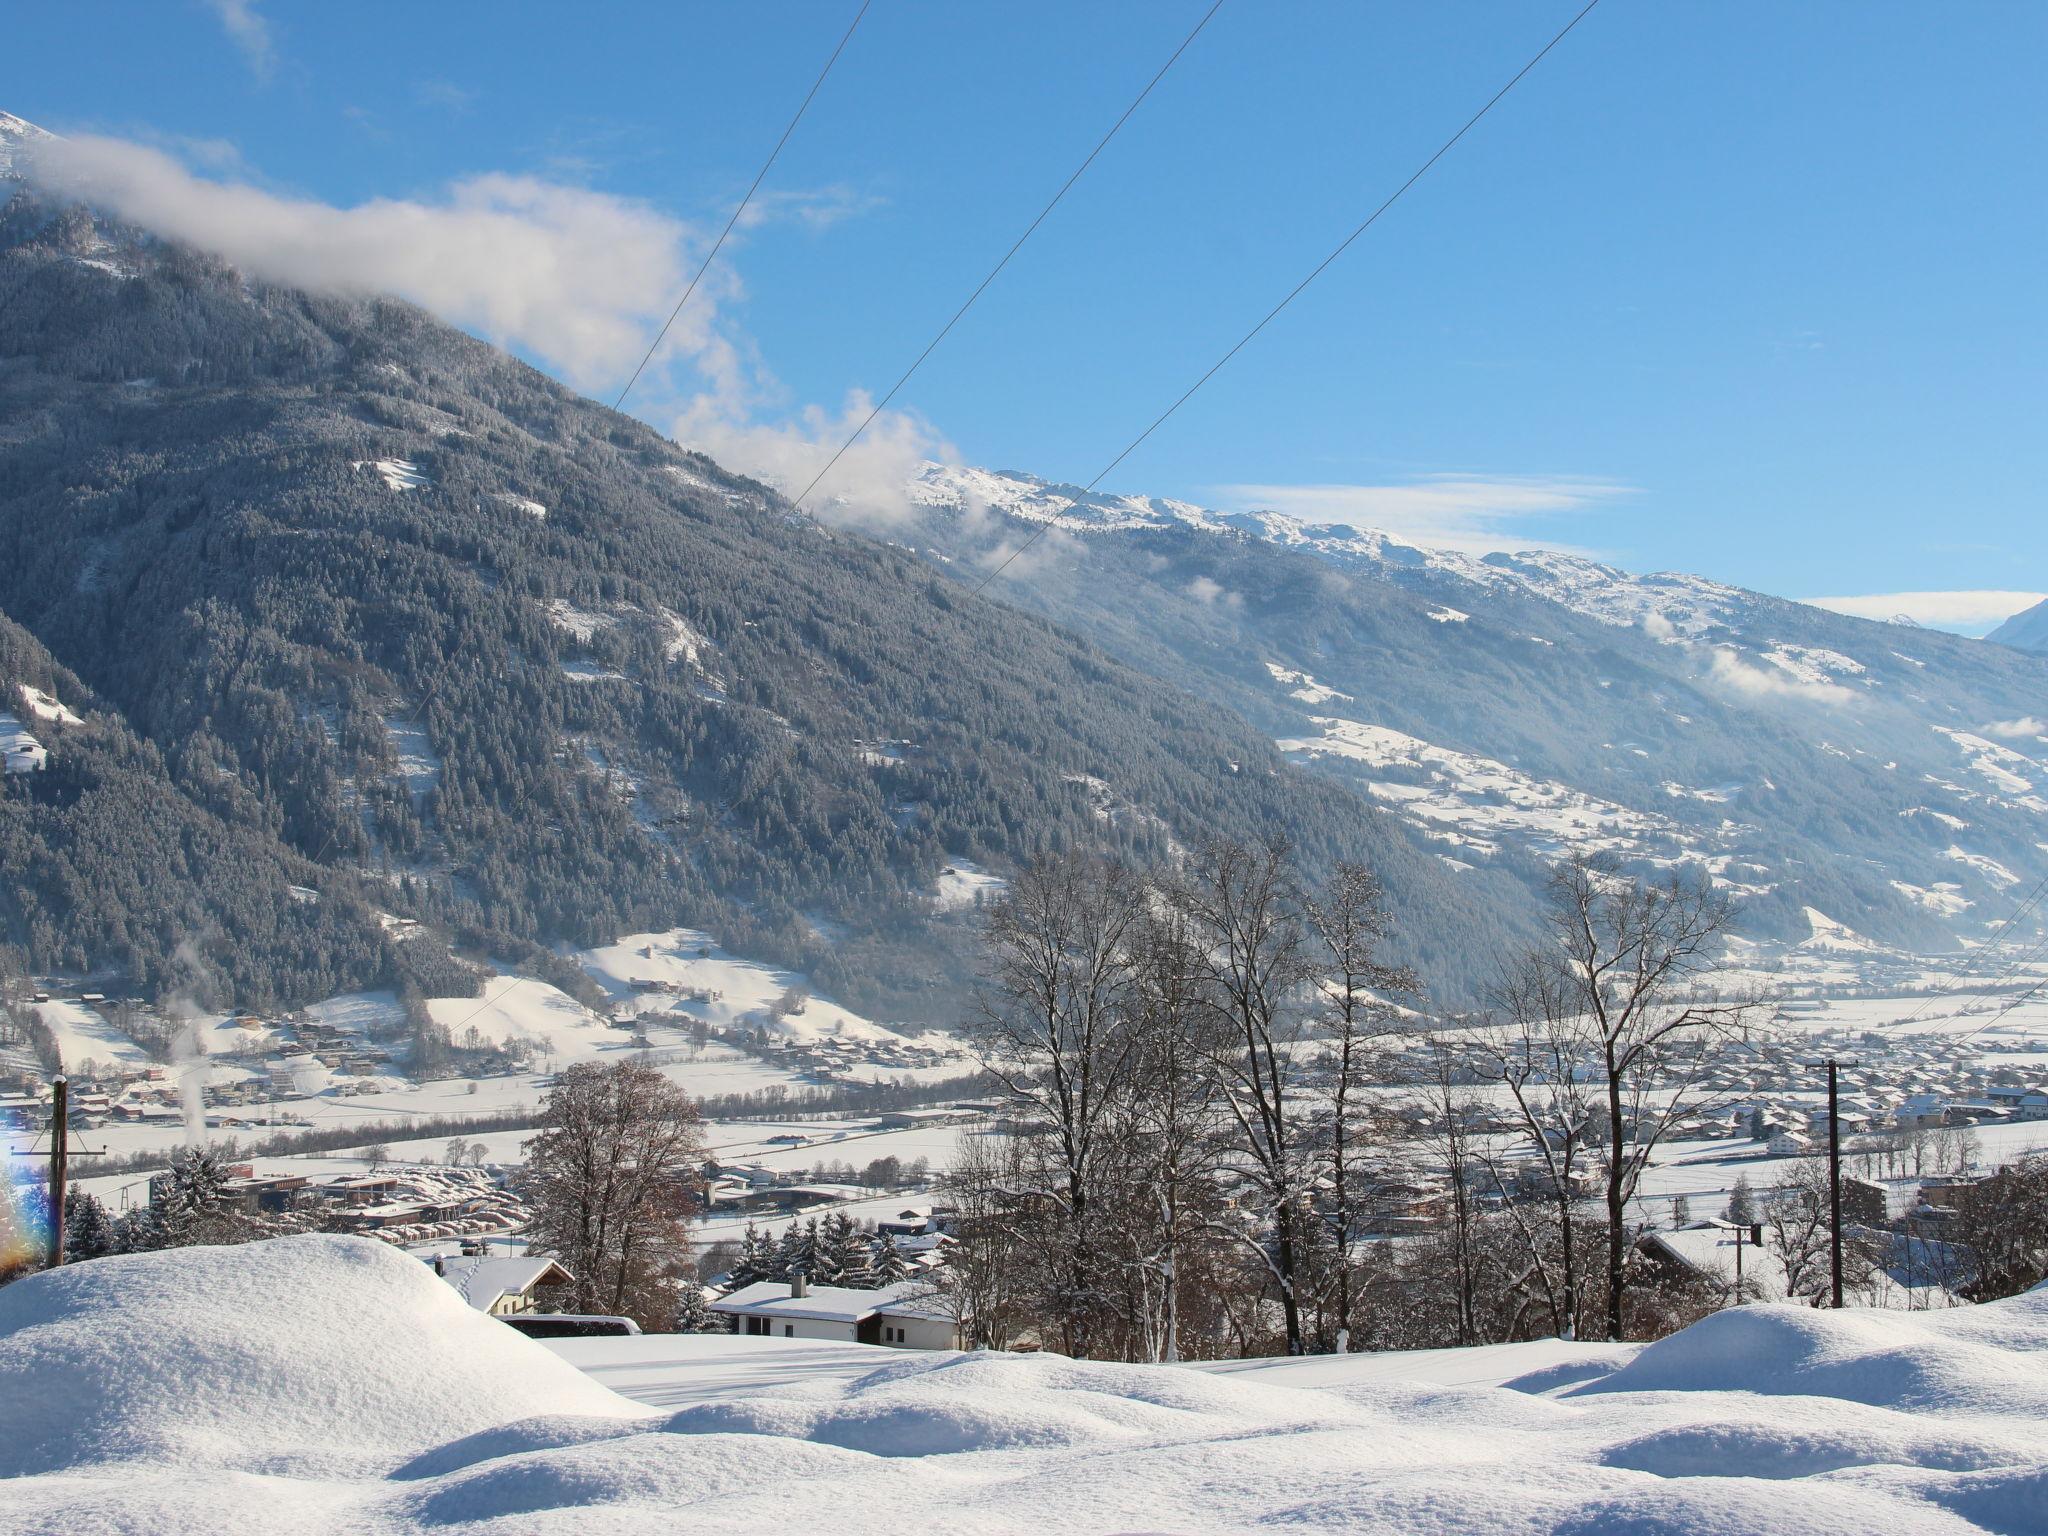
x,y
502,1286
908,1315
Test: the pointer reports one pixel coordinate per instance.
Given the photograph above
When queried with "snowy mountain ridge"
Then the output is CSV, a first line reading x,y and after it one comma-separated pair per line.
x,y
1603,593
16,134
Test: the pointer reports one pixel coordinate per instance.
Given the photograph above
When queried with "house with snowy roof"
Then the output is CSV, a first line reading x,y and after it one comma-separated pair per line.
x,y
907,1315
503,1287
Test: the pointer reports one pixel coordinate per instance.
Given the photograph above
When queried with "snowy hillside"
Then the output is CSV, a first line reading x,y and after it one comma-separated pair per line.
x,y
1507,706
333,1384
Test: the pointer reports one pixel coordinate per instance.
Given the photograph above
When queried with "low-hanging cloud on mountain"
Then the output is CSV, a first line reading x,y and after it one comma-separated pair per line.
x,y
577,277
580,281
1730,673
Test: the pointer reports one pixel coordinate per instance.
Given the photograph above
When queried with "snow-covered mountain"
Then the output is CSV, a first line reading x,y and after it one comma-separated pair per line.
x,y
15,134
1689,604
2025,631
1839,773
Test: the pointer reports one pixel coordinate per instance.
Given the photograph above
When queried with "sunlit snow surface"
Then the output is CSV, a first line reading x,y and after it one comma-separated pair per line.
x,y
329,1384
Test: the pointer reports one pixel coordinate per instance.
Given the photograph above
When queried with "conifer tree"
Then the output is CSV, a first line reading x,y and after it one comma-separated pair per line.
x,y
88,1230
887,1265
1742,1201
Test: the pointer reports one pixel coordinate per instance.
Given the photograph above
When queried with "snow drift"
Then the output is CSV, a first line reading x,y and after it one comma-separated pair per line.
x,y
288,1356
323,1384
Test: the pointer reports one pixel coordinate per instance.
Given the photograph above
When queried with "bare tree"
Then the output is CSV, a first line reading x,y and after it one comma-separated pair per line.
x,y
1795,1214
1245,914
981,1274
1535,1049
2002,1224
1632,961
1347,923
1055,1028
1452,1108
1173,1122
611,1180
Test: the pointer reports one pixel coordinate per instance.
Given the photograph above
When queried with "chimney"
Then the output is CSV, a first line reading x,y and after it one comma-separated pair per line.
x,y
799,1286
1756,1234
438,1268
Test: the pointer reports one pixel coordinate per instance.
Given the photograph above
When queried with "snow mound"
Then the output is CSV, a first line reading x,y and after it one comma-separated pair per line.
x,y
298,1354
946,1405
328,1384
1991,1359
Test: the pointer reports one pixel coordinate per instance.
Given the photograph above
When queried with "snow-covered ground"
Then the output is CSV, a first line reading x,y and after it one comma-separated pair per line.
x,y
683,974
322,1384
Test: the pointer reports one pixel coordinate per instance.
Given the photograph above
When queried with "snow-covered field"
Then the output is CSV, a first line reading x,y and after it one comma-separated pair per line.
x,y
322,1384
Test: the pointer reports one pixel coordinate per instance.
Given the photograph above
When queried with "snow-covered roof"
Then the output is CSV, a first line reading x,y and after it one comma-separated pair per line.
x,y
834,1303
1709,1250
481,1282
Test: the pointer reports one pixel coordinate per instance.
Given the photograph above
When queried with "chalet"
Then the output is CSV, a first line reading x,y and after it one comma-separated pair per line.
x,y
908,1315
911,1221
2019,1103
503,1287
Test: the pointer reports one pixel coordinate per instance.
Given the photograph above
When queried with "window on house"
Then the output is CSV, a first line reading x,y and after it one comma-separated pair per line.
x,y
789,1330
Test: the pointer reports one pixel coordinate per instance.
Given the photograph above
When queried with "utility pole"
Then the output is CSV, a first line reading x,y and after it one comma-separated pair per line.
x,y
1834,1187
60,1164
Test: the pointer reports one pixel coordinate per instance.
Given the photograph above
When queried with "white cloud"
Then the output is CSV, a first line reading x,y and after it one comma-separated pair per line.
x,y
1204,590
1474,513
581,279
868,486
1973,612
814,208
2014,730
249,30
1727,671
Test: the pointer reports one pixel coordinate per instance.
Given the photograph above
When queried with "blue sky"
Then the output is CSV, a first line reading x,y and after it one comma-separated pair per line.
x,y
1751,290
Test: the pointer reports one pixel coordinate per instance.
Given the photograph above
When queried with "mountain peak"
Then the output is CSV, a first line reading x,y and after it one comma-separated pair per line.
x,y
16,133
2025,631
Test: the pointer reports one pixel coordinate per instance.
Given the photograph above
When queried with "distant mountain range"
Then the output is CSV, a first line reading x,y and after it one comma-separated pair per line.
x,y
360,653
1507,705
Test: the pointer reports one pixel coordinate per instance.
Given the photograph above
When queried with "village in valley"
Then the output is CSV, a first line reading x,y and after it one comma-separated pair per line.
x,y
1936,1092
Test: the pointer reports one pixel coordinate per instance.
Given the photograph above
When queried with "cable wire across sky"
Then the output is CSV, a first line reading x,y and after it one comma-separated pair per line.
x,y
996,271
1296,291
760,176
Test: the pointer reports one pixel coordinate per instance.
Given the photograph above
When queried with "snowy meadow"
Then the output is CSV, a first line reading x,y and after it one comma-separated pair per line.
x,y
320,1384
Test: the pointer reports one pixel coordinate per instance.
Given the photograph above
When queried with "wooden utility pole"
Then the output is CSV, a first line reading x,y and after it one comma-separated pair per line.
x,y
60,1164
1834,1187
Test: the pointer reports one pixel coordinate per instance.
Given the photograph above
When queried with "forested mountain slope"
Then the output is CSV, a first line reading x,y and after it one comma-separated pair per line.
x,y
390,607
1894,779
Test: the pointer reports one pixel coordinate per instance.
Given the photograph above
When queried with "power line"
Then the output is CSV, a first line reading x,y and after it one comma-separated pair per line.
x,y
761,176
1294,293
1962,975
2024,995
996,271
